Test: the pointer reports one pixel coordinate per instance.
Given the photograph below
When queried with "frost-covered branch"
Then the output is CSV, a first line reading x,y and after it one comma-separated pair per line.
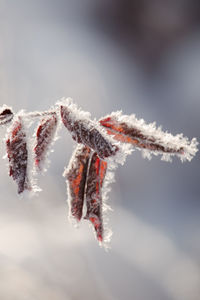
x,y
101,146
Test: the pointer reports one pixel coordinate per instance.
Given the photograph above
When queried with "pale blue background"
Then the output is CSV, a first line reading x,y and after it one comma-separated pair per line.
x,y
93,52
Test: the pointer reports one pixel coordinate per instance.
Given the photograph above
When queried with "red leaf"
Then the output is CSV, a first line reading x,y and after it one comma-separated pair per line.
x,y
85,131
95,179
18,155
126,133
76,177
44,136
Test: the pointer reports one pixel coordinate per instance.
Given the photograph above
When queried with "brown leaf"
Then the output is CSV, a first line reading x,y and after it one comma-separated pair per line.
x,y
18,155
6,115
95,179
44,136
85,131
126,133
76,178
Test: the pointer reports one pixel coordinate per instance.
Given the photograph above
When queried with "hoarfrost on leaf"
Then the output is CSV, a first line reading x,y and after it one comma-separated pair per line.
x,y
44,138
18,154
101,146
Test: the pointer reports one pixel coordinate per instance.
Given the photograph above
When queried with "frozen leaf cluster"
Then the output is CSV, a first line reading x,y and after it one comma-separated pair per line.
x,y
101,146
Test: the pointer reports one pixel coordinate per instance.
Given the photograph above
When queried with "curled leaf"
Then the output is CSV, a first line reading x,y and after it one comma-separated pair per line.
x,y
18,154
76,175
87,132
6,115
44,137
95,179
128,129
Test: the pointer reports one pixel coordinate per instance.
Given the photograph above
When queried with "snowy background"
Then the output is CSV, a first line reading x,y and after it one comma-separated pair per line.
x,y
139,56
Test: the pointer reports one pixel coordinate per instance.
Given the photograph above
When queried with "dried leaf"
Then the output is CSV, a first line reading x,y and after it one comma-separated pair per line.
x,y
76,174
87,132
18,154
6,115
127,129
44,137
95,179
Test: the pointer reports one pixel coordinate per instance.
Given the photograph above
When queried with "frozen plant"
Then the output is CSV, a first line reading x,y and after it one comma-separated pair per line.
x,y
101,145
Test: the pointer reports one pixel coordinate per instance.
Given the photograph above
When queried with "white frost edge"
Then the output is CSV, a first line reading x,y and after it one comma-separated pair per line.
x,y
46,162
112,164
75,112
106,188
78,114
163,138
34,189
76,150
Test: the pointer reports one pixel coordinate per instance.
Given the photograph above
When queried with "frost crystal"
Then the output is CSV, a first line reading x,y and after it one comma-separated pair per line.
x,y
95,179
102,145
128,129
85,176
18,154
86,131
76,175
44,137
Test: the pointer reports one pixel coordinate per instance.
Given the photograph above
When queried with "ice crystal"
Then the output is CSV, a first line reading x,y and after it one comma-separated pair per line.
x,y
86,131
44,137
18,154
101,146
76,175
146,137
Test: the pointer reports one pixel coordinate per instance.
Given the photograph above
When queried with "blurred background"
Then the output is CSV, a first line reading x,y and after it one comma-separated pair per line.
x,y
139,56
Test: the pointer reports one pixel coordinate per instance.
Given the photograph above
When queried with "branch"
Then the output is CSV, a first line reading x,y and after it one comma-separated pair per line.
x,y
102,145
